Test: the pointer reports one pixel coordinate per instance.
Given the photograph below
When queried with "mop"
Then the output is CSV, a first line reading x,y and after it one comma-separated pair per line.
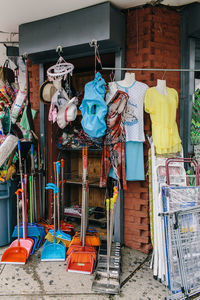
x,y
53,251
81,257
91,238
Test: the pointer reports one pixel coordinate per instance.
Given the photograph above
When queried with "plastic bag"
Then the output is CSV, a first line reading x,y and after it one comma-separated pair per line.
x,y
94,108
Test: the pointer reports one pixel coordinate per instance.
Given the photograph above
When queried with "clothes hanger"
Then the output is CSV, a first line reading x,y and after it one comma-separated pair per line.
x,y
60,69
97,58
112,76
163,75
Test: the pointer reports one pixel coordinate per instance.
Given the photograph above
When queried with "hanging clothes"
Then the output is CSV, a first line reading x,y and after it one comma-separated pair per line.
x,y
114,144
134,155
94,108
162,110
195,121
134,161
134,123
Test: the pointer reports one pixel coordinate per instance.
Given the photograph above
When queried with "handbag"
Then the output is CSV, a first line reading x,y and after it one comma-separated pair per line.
x,y
8,73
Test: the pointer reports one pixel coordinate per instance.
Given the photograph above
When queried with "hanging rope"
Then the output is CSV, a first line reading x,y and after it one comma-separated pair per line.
x,y
97,57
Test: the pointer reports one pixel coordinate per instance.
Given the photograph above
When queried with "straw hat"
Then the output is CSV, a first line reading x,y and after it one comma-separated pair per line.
x,y
47,90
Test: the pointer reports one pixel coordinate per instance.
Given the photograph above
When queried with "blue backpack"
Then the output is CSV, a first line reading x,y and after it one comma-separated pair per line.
x,y
94,108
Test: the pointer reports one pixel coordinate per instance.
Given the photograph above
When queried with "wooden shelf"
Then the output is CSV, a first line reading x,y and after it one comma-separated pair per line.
x,y
92,181
91,219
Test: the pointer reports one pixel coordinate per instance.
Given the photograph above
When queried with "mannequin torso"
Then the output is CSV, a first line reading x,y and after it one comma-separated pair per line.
x,y
128,80
161,87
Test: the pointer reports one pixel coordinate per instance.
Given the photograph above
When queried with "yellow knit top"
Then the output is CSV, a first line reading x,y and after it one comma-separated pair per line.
x,y
162,110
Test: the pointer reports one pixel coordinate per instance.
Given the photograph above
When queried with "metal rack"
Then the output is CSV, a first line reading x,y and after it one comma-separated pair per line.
x,y
181,220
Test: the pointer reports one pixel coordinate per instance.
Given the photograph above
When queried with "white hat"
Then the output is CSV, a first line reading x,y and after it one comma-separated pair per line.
x,y
67,113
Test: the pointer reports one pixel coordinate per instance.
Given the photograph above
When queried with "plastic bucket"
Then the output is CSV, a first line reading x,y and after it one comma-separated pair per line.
x,y
7,210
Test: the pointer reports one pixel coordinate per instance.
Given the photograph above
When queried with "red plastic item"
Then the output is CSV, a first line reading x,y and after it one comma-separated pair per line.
x,y
184,160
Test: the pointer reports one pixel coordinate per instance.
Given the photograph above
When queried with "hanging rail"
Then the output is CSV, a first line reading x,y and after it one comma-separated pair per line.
x,y
150,69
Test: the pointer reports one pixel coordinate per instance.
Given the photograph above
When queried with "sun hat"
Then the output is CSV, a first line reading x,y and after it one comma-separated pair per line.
x,y
67,113
47,90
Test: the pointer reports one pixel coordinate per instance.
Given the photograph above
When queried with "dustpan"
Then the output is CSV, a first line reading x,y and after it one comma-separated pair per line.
x,y
80,247
81,257
18,254
53,251
81,262
91,239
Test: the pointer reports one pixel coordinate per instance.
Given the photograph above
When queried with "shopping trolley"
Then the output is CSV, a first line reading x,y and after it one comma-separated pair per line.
x,y
177,175
181,220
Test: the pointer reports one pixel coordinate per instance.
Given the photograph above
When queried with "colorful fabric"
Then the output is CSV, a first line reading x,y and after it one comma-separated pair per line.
x,y
134,120
134,160
113,155
162,110
195,121
114,143
24,123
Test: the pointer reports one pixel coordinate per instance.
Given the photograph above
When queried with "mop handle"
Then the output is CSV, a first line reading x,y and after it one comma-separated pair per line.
x,y
31,200
52,186
58,198
32,182
84,179
62,188
39,160
54,169
112,205
108,231
22,187
25,204
32,159
17,193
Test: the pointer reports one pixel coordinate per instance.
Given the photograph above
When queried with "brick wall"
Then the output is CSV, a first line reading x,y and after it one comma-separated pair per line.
x,y
152,41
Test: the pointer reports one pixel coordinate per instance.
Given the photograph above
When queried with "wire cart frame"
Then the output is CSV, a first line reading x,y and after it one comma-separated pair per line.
x,y
181,222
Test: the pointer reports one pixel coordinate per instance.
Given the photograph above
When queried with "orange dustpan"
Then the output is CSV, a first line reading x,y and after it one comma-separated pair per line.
x,y
81,261
80,247
17,254
91,239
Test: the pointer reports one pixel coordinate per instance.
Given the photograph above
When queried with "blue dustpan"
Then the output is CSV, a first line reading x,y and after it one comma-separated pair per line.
x,y
35,239
53,251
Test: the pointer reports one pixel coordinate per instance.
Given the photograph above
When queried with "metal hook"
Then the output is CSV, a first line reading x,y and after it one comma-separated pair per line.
x,y
163,74
93,43
59,50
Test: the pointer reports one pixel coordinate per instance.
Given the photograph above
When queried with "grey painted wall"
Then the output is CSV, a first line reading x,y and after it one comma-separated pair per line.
x,y
190,33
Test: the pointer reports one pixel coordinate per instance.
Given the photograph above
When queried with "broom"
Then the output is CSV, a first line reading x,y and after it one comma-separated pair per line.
x,y
91,239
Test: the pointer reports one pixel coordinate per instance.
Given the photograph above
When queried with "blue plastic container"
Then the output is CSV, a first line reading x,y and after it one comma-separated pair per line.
x,y
8,210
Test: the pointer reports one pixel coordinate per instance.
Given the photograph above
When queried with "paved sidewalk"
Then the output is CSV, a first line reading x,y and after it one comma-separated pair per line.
x,y
49,280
